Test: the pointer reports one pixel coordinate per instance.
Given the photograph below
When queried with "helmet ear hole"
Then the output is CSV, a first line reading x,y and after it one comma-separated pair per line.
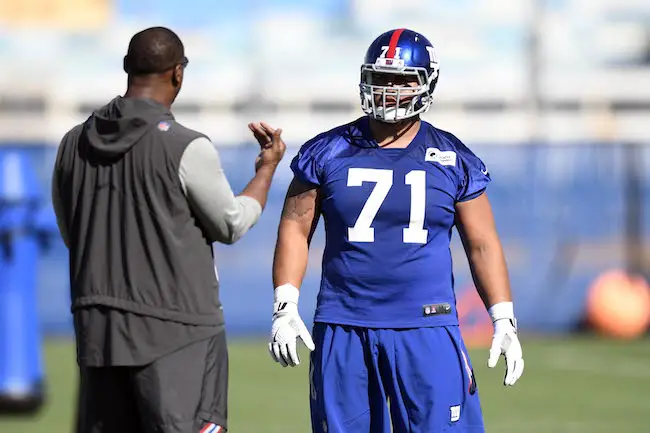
x,y
433,83
423,77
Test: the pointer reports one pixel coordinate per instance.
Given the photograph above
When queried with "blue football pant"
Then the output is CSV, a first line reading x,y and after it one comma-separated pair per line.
x,y
419,380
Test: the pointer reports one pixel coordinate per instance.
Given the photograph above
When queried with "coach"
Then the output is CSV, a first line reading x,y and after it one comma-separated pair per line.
x,y
139,200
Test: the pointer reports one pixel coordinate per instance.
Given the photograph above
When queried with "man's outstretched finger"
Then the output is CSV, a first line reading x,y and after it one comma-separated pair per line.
x,y
262,137
267,128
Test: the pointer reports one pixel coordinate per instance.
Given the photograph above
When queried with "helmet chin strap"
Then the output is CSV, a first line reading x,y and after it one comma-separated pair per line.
x,y
399,122
390,114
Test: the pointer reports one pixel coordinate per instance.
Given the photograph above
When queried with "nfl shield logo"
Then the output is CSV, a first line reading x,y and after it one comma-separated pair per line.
x,y
211,428
163,126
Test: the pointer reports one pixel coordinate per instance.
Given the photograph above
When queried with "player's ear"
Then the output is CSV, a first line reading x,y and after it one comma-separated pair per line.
x,y
177,76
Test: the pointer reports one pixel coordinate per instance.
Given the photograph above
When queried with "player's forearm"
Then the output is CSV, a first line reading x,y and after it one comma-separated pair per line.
x,y
297,224
489,271
478,233
291,254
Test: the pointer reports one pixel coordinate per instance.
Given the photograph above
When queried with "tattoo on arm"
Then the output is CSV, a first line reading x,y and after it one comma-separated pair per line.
x,y
301,201
303,205
298,206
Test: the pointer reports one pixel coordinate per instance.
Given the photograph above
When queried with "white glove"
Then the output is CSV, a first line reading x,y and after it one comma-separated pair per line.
x,y
505,342
287,327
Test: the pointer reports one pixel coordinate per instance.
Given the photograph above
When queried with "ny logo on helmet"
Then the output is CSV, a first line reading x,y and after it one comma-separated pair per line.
x,y
433,61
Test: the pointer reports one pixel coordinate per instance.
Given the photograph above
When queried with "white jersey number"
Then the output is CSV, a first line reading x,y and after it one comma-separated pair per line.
x,y
384,51
363,231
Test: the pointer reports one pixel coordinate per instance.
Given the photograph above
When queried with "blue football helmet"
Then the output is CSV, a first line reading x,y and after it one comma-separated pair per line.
x,y
395,61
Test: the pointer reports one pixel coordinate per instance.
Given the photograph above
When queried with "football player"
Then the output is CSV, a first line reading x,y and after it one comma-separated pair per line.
x,y
387,349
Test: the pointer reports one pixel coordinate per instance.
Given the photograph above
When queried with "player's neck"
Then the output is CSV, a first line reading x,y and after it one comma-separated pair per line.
x,y
394,135
148,91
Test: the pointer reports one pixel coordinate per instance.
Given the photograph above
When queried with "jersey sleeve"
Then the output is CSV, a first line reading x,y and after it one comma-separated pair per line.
x,y
474,176
307,165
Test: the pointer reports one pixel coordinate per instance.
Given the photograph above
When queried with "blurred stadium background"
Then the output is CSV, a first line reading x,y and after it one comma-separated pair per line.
x,y
554,95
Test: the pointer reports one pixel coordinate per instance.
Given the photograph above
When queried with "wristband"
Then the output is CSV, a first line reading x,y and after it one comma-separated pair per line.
x,y
499,312
502,310
286,293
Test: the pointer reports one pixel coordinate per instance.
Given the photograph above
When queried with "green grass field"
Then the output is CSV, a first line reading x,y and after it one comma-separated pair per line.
x,y
570,385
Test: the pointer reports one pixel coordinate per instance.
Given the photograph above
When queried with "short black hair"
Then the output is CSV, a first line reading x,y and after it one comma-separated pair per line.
x,y
153,51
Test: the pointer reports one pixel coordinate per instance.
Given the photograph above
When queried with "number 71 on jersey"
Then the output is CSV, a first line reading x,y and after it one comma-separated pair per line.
x,y
363,231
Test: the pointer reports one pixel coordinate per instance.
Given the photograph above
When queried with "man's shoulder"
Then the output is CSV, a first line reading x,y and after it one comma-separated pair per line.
x,y
176,138
73,133
68,147
169,128
440,137
445,139
70,140
450,144
334,140
338,132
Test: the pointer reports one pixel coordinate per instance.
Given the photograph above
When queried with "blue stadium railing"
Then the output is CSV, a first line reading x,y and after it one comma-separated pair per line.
x,y
562,211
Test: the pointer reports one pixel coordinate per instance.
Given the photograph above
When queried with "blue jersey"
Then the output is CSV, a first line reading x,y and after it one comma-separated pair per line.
x,y
388,217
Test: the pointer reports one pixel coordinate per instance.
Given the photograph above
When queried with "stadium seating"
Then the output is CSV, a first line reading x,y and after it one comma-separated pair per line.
x,y
305,56
66,15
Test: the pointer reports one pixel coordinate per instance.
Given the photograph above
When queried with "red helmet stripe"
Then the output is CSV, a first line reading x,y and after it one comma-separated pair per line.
x,y
392,45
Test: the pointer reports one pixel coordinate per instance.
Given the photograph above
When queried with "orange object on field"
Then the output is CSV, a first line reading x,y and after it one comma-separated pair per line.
x,y
475,323
618,305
